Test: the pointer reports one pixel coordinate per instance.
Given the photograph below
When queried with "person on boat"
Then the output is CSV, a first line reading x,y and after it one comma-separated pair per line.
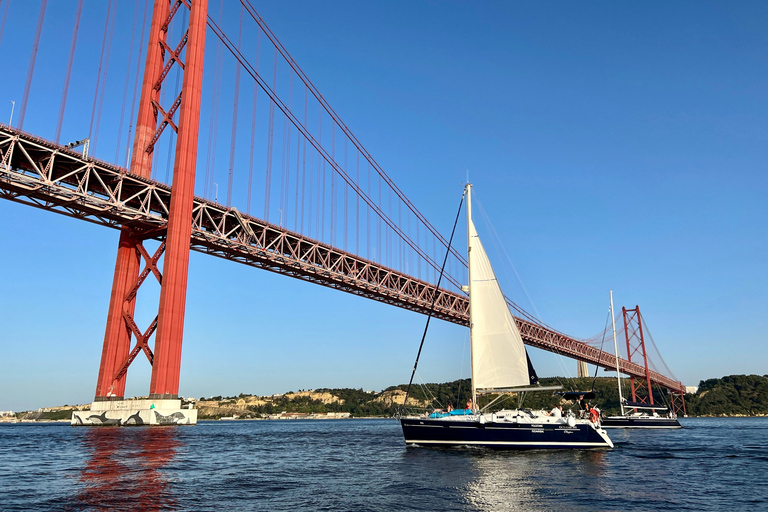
x,y
583,406
470,404
449,408
557,411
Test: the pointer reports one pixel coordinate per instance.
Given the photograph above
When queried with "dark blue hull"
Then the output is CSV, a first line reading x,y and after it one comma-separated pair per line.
x,y
441,432
639,422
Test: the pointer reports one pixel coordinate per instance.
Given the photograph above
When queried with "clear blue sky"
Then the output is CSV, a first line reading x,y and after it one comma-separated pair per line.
x,y
619,147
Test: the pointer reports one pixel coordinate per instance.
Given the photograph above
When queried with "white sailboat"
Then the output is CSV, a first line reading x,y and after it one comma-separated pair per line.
x,y
635,415
499,365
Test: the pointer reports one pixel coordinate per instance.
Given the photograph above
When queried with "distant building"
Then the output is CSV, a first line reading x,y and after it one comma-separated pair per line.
x,y
6,413
691,389
583,371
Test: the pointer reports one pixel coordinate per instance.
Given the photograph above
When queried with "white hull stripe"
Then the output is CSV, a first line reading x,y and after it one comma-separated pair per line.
x,y
508,443
635,426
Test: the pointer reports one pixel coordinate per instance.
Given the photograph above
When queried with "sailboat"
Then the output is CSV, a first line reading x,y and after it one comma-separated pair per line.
x,y
500,365
635,414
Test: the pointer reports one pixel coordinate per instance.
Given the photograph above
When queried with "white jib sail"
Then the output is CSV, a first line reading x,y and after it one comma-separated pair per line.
x,y
498,354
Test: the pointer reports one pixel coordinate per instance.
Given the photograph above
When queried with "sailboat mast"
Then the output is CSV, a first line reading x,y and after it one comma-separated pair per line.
x,y
616,350
468,191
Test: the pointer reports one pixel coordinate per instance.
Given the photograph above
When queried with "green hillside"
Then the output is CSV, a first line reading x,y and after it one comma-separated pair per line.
x,y
734,395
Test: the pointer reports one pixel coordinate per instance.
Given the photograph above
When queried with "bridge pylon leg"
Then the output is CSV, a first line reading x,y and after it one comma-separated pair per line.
x,y
163,405
117,339
173,294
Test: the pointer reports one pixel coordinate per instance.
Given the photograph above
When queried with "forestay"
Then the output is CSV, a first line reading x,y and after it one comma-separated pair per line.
x,y
498,354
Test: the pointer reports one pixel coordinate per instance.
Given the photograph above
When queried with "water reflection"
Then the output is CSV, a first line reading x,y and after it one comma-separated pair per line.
x,y
125,469
532,481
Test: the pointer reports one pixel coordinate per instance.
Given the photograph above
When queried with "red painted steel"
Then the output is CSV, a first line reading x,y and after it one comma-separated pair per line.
x,y
45,175
677,402
173,294
633,331
117,338
146,121
117,355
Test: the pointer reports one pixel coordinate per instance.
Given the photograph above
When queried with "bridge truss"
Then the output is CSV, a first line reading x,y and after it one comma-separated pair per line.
x,y
45,175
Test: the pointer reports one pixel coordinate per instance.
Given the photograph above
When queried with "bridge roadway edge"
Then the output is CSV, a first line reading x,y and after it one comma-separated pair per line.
x,y
40,173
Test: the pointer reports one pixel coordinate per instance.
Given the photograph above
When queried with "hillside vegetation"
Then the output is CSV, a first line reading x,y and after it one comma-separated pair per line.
x,y
734,395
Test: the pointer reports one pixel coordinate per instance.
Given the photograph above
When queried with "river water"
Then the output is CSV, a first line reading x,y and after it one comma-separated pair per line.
x,y
711,464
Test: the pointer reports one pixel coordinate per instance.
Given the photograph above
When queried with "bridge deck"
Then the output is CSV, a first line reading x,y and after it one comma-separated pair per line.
x,y
43,174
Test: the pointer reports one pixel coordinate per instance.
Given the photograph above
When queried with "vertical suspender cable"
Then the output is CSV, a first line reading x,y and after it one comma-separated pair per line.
x,y
72,45
298,183
346,194
253,145
100,95
31,68
303,164
270,143
434,299
230,178
213,125
172,136
333,184
253,127
125,86
135,88
357,206
7,4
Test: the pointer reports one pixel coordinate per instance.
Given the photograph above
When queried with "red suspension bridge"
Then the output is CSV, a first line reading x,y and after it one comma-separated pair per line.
x,y
301,195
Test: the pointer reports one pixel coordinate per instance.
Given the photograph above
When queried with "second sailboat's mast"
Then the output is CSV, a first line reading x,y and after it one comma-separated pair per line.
x,y
616,350
468,191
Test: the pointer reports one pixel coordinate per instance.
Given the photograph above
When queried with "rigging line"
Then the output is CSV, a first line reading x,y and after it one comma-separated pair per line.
x,y
125,85
64,92
278,45
434,298
230,177
318,147
31,68
658,352
135,87
461,368
597,366
497,240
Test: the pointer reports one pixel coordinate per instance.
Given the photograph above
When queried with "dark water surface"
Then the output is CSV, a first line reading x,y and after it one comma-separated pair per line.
x,y
712,464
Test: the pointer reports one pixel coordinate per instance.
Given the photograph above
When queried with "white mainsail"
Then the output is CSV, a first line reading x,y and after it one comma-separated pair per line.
x,y
498,355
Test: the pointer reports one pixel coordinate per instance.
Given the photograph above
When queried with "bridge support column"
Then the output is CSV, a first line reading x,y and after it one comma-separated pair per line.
x,y
167,365
117,339
163,406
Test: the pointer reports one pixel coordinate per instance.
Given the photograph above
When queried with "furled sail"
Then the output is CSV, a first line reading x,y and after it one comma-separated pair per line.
x,y
498,356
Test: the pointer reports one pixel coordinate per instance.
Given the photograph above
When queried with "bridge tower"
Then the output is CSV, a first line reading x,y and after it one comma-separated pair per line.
x,y
633,329
163,405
